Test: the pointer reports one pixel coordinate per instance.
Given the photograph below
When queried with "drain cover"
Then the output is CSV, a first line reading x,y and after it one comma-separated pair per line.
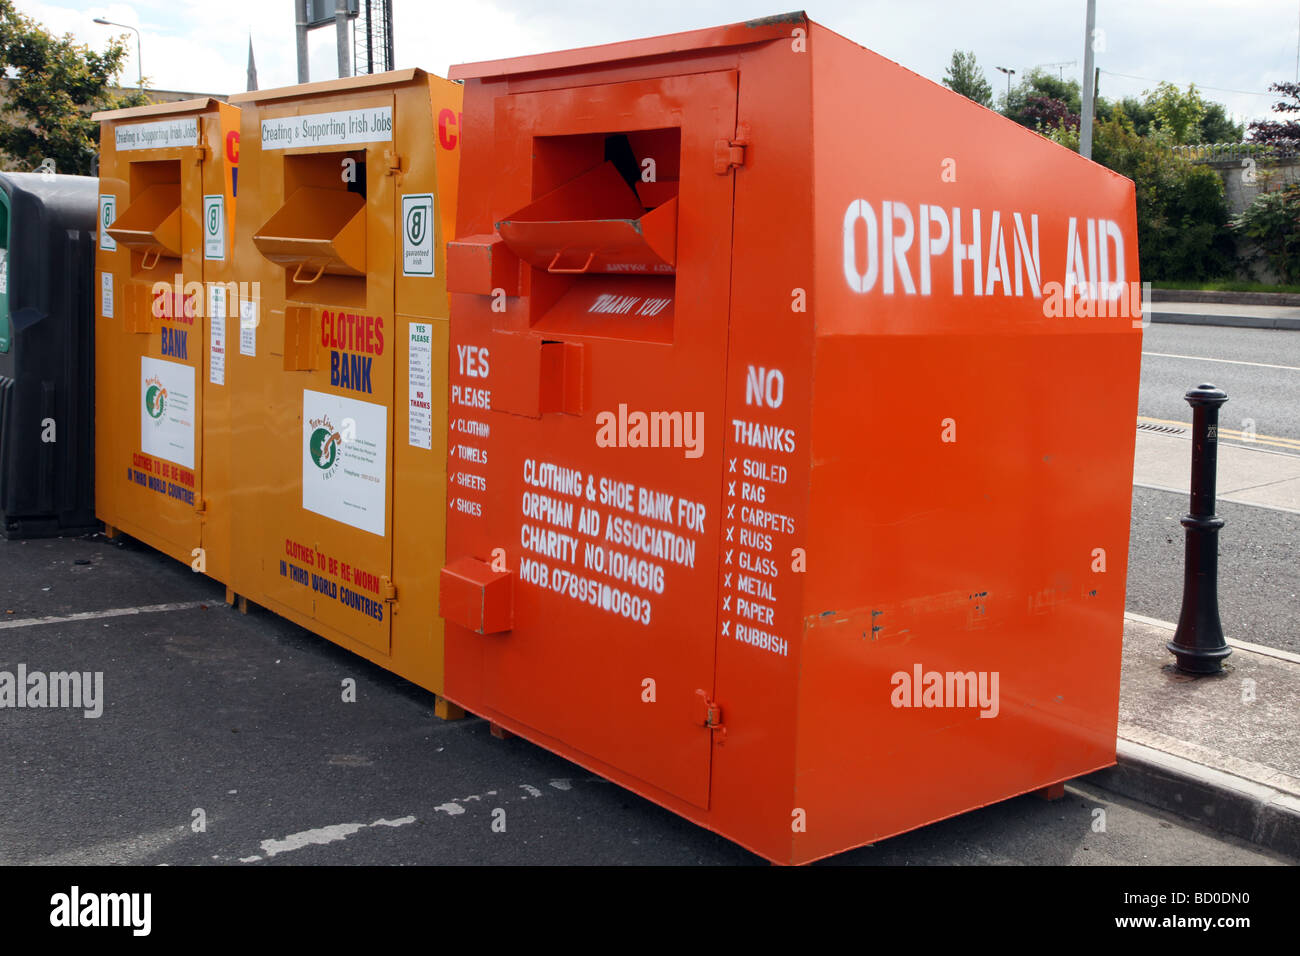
x,y
1162,429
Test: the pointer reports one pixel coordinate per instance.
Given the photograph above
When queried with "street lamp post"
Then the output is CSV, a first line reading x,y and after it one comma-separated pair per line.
x,y
1010,74
139,61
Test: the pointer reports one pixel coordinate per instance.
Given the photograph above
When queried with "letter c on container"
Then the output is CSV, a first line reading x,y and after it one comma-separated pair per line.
x,y
859,281
446,138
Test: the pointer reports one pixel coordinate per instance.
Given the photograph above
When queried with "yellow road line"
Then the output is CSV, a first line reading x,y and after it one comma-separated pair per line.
x,y
1273,440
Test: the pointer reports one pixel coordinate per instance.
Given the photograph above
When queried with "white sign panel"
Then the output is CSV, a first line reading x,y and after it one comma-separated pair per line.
x,y
340,128
106,294
214,227
248,327
217,323
167,410
107,215
417,235
157,135
419,389
344,459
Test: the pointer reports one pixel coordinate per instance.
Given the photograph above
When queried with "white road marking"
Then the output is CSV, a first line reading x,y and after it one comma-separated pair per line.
x,y
320,836
454,807
1204,358
108,612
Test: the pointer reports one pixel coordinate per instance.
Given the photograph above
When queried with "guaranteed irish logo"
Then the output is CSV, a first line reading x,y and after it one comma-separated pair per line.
x,y
417,221
417,234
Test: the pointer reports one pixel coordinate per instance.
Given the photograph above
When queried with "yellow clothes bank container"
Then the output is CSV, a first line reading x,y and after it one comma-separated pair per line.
x,y
167,181
339,452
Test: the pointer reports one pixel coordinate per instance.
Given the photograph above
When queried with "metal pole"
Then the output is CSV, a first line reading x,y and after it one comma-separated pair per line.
x,y
370,39
341,34
304,73
1085,120
1198,643
139,48
390,61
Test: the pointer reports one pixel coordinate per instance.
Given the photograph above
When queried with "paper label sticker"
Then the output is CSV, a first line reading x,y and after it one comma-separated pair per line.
x,y
106,294
419,389
167,410
417,235
248,327
157,135
344,460
217,345
341,127
214,227
107,215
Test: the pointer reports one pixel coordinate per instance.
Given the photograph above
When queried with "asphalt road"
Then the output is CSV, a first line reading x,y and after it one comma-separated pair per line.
x,y
1270,396
242,718
1259,548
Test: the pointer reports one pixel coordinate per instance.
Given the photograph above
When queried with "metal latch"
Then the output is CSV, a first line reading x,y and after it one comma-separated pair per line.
x,y
730,153
708,713
387,589
393,162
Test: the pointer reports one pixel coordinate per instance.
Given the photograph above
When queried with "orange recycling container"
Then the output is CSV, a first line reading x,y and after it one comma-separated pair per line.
x,y
167,181
791,434
338,447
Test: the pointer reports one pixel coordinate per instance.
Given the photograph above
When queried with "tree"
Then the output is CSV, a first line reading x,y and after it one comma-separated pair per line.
x,y
1280,132
1218,127
54,84
1029,101
1272,224
1141,116
1181,213
1178,114
965,76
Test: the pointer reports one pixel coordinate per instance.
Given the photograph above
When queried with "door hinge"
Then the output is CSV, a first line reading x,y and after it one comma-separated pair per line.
x,y
393,162
197,154
707,713
730,153
387,589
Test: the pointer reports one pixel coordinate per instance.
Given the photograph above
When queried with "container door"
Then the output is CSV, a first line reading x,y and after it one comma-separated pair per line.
x,y
586,422
327,503
153,354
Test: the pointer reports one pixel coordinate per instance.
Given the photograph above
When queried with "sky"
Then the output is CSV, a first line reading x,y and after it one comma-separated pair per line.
x,y
1232,49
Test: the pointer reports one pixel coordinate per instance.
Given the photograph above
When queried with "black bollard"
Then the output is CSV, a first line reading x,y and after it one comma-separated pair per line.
x,y
1198,643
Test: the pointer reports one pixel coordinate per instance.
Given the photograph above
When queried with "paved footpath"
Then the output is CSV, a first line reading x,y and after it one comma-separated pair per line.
x,y
1217,313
